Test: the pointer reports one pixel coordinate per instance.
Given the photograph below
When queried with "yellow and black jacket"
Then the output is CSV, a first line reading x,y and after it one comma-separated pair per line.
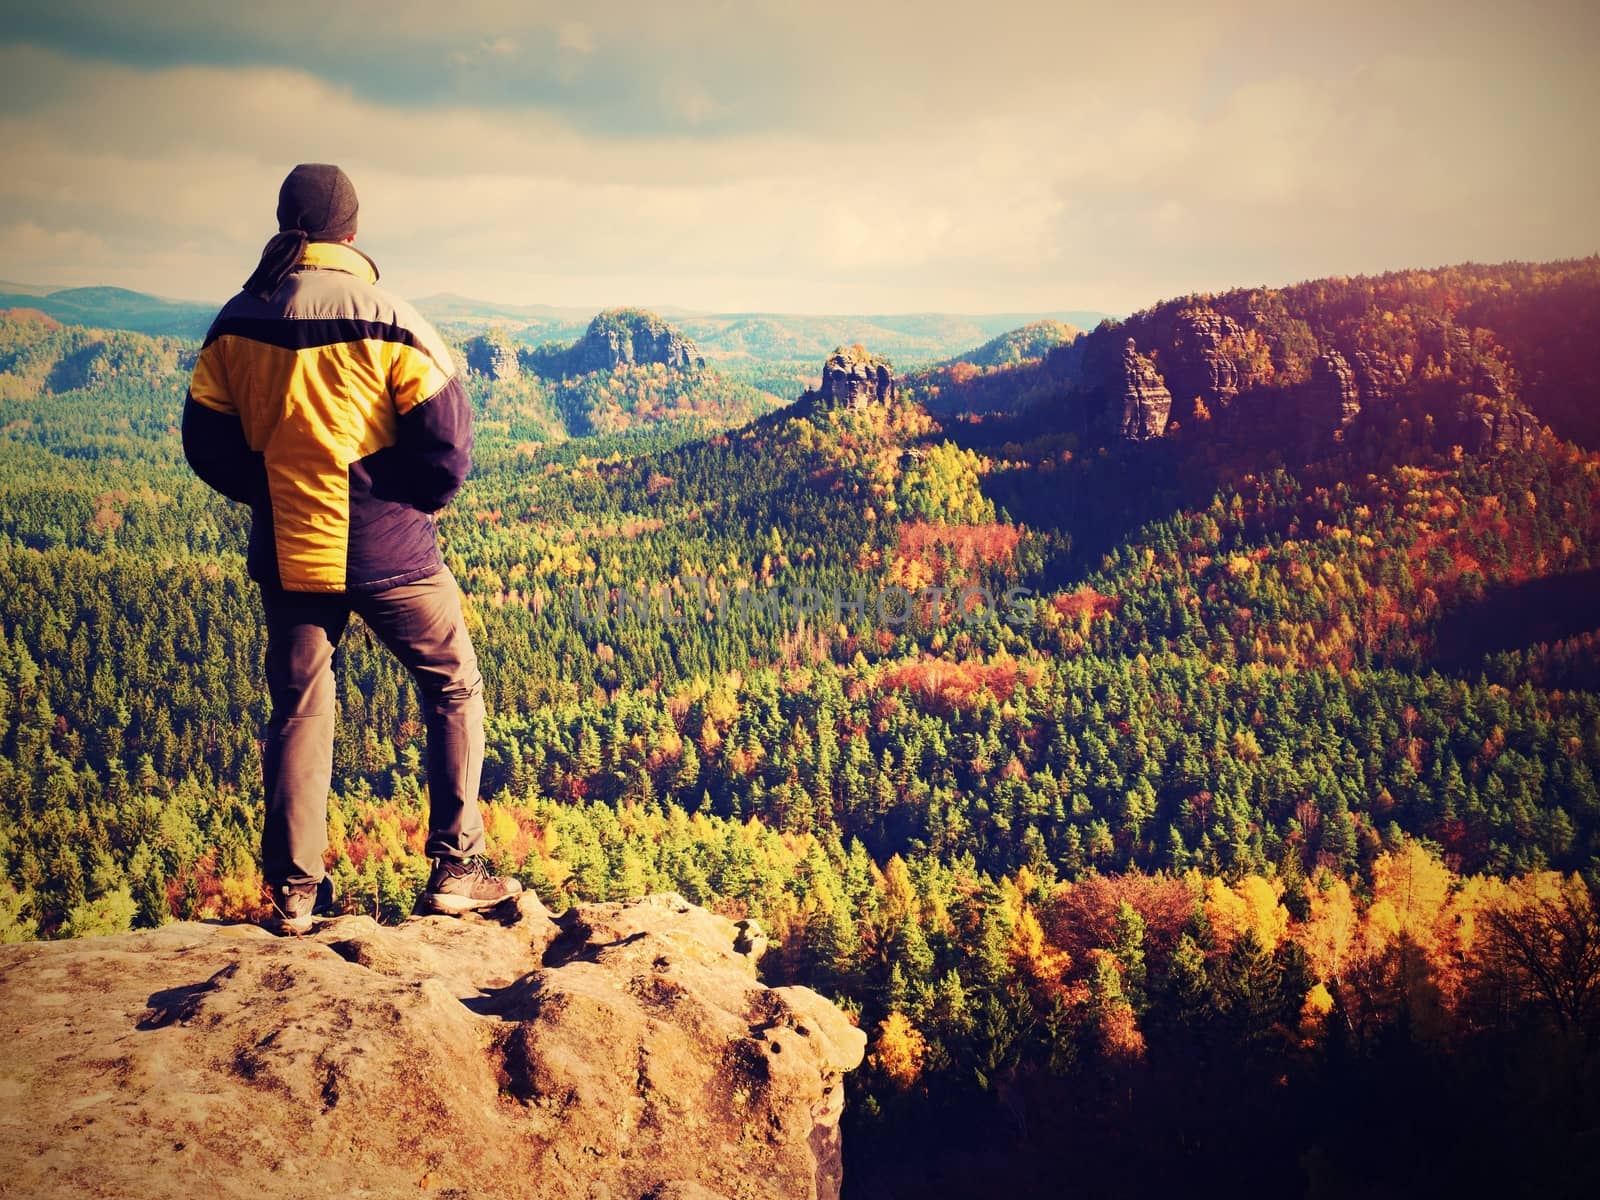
x,y
334,411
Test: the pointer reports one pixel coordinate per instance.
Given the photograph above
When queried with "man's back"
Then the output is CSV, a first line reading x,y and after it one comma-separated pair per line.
x,y
352,403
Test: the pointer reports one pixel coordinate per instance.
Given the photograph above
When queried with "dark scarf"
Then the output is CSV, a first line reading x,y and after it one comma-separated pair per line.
x,y
317,203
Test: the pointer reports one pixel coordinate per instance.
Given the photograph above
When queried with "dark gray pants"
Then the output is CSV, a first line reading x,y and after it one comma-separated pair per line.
x,y
422,624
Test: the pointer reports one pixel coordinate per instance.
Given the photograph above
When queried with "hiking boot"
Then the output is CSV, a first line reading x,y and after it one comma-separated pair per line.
x,y
459,887
292,906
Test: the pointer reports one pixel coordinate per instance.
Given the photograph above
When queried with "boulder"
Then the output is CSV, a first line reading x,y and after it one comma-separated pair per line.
x,y
625,1050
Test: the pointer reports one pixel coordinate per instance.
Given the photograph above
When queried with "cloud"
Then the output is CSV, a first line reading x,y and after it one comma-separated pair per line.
x,y
575,36
801,69
690,100
831,158
492,195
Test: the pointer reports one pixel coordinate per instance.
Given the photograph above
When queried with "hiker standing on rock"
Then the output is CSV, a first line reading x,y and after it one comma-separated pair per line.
x,y
333,410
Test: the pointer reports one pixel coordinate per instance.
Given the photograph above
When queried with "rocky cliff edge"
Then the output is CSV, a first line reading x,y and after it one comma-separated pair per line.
x,y
622,1052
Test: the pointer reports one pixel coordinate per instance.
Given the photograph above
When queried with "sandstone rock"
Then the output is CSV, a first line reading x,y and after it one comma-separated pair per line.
x,y
1487,383
1205,362
752,939
1490,431
1518,429
1146,402
494,357
853,378
1447,345
1377,375
625,337
1333,396
626,1050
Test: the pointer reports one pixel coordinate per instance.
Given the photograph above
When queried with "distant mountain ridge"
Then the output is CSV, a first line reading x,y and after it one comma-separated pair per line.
x,y
761,337
11,288
447,306
113,308
905,338
757,336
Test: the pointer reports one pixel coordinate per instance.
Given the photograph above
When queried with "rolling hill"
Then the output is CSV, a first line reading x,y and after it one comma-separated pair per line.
x,y
1025,344
114,308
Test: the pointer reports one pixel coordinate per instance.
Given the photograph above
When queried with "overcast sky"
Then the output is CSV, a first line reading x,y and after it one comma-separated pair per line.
x,y
817,156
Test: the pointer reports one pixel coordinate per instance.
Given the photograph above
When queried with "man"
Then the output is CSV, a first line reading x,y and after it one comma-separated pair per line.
x,y
334,411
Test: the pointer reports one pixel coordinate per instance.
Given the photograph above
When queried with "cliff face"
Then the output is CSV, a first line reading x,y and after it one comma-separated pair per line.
x,y
492,356
1208,359
1265,369
1333,395
853,378
1146,402
624,1051
1377,375
1487,431
622,337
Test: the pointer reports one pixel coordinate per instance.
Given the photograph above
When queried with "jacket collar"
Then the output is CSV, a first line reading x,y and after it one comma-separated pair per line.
x,y
339,256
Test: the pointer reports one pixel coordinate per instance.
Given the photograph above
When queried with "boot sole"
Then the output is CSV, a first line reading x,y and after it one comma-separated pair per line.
x,y
454,906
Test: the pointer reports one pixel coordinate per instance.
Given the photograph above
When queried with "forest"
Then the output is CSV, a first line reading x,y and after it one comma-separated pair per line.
x,y
1257,833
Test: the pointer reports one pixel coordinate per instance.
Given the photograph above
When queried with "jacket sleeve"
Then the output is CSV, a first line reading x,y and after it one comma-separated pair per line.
x,y
433,418
435,440
213,437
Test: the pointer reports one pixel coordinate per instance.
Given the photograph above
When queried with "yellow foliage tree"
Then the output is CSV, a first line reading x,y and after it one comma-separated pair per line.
x,y
1329,931
900,1051
1251,905
899,893
1037,958
1418,888
1314,1014
1408,953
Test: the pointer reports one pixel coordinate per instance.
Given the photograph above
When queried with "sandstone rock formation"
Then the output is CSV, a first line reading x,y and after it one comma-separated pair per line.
x,y
1377,375
1206,362
852,378
1333,395
1146,402
494,357
1491,431
1488,383
625,337
624,1051
1446,345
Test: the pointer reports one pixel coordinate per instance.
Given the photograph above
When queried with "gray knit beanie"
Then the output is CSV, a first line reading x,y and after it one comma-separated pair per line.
x,y
319,200
317,203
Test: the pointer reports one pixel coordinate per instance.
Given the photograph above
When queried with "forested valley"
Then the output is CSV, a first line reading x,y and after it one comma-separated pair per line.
x,y
1175,744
